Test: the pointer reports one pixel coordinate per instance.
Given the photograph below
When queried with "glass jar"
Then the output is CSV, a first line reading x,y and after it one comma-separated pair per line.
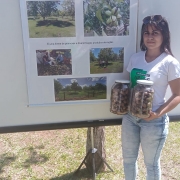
x,y
120,97
141,99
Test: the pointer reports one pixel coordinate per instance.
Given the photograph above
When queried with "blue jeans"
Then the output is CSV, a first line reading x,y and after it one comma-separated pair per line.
x,y
151,135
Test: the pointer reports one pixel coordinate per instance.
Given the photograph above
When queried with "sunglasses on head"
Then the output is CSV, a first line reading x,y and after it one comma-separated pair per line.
x,y
155,18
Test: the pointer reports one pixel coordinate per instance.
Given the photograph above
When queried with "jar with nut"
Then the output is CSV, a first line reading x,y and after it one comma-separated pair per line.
x,y
142,98
120,97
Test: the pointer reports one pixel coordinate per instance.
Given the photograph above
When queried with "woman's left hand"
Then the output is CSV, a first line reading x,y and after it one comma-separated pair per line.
x,y
153,115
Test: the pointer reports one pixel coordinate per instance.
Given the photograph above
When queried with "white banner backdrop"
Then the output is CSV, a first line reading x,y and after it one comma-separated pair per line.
x,y
28,98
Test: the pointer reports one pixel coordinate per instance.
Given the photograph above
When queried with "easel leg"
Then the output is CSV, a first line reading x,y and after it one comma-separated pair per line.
x,y
93,154
94,168
83,162
105,162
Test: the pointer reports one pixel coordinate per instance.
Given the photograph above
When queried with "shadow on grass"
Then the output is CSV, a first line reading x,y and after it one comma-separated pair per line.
x,y
34,158
57,23
102,66
33,18
82,173
6,160
109,64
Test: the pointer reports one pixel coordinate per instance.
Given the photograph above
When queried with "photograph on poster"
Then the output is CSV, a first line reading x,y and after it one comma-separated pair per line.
x,y
54,62
78,89
106,60
106,17
51,18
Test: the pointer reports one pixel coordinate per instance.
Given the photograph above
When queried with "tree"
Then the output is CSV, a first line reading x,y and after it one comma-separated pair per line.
x,y
57,86
85,88
91,88
43,8
79,88
115,57
75,86
32,8
67,88
69,8
100,87
92,57
106,54
62,13
55,13
121,54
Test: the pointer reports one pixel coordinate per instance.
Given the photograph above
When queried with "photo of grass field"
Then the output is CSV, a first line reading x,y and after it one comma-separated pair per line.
x,y
51,18
73,89
106,60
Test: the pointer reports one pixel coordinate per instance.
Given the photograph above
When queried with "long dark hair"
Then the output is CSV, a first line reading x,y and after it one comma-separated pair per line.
x,y
164,28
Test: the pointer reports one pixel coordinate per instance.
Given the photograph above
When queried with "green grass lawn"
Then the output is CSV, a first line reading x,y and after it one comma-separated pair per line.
x,y
81,95
52,27
113,67
56,154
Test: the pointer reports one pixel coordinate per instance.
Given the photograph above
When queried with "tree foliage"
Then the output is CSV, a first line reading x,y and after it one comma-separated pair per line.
x,y
100,87
108,54
57,86
69,8
85,88
67,88
32,8
121,54
42,8
75,86
92,57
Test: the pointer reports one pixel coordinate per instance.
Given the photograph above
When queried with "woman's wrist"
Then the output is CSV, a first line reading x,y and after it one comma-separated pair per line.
x,y
158,114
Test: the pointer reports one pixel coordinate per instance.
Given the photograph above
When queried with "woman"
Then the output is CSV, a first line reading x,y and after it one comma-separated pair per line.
x,y
163,69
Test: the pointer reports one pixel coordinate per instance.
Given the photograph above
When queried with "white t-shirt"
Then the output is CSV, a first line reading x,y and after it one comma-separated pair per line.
x,y
163,69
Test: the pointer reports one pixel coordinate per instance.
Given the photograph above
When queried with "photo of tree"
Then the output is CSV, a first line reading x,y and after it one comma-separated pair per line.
x,y
54,62
106,60
106,17
51,18
73,89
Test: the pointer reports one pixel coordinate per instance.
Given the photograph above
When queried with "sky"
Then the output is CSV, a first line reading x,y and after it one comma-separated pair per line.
x,y
97,50
87,81
59,6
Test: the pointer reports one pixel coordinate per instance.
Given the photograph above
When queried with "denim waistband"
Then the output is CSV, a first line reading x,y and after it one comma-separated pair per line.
x,y
137,119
